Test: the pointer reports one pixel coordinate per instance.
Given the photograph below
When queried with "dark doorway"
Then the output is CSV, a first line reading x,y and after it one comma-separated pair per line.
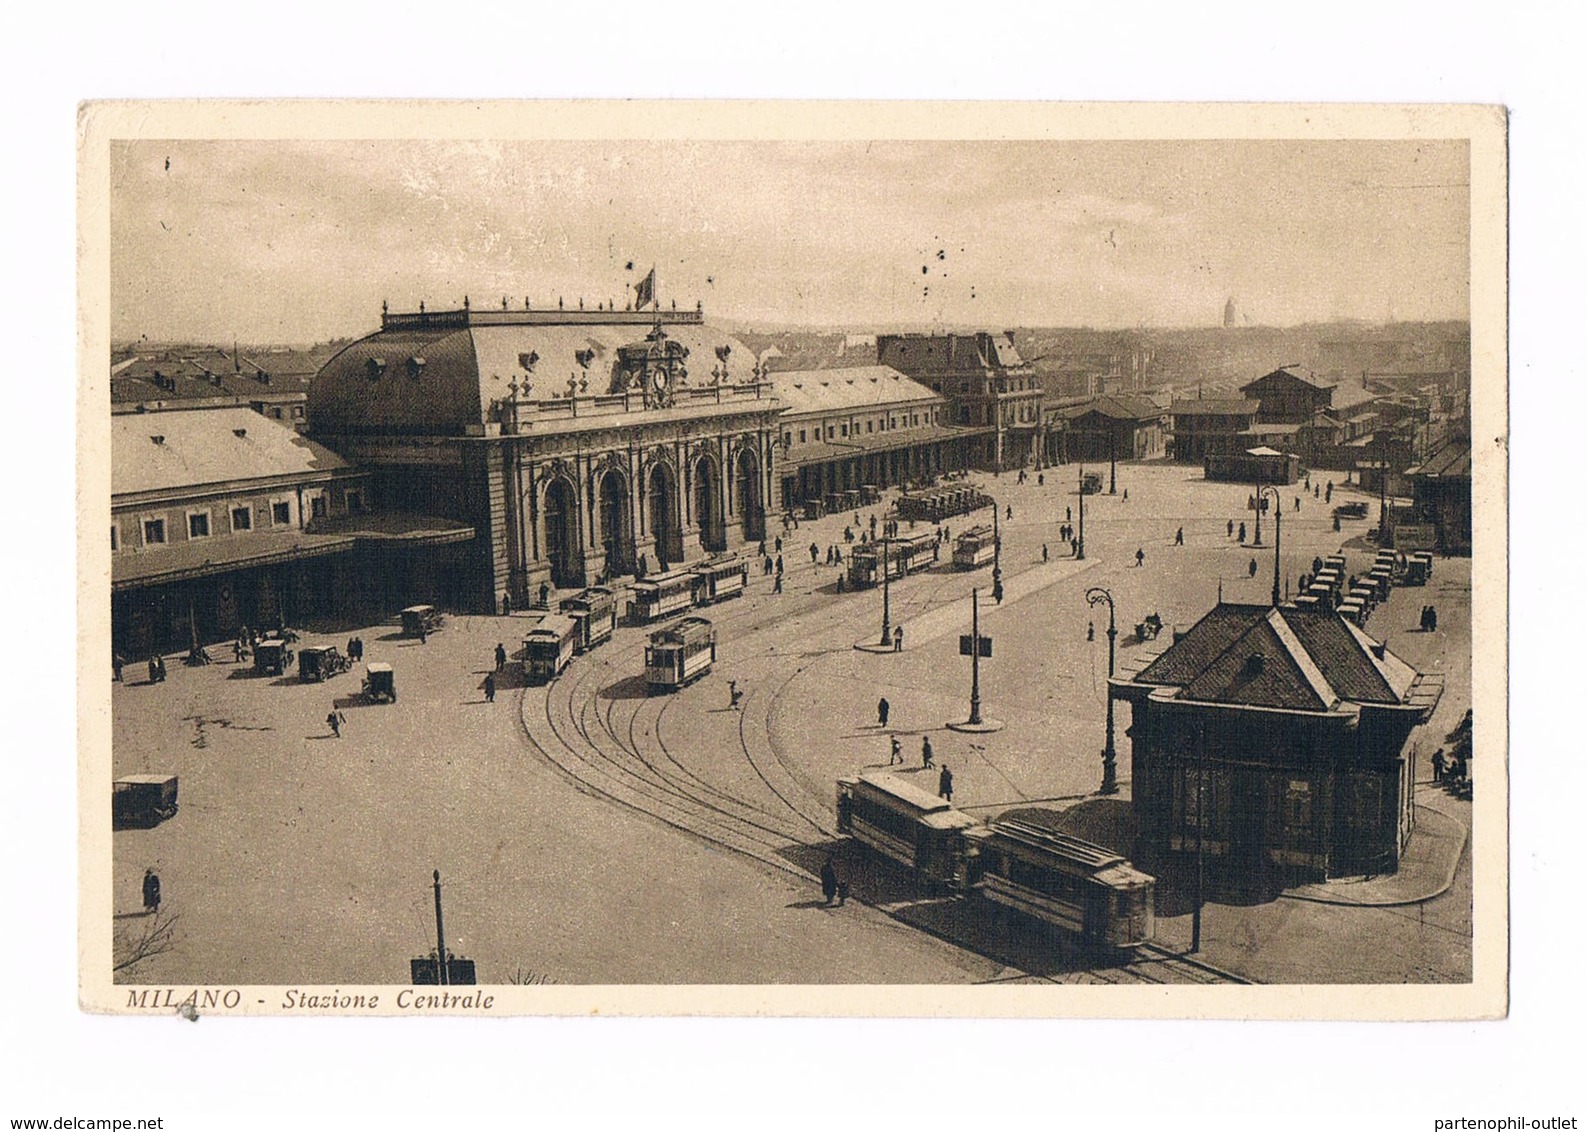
x,y
751,509
663,497
562,534
708,505
616,531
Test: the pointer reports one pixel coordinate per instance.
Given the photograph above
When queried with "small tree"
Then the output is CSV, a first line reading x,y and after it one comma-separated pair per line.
x,y
143,938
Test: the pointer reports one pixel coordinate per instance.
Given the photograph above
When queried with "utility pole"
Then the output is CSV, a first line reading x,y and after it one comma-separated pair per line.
x,y
1113,464
887,618
1383,487
440,935
1278,532
1110,774
975,660
1080,543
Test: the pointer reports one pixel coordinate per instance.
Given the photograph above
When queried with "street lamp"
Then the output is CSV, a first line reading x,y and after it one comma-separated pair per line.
x,y
1259,490
997,558
1080,543
1096,595
1278,531
1113,464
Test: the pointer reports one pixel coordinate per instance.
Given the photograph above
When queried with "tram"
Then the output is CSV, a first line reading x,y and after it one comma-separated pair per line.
x,y
975,547
720,579
941,503
900,820
661,595
904,555
548,648
1081,888
679,654
595,610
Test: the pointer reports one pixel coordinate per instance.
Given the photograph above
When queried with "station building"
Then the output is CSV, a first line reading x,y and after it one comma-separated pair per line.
x,y
1211,427
1115,426
577,445
991,393
1278,742
844,429
222,517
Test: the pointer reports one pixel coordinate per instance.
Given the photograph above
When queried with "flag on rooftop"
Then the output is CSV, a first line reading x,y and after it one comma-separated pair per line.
x,y
645,291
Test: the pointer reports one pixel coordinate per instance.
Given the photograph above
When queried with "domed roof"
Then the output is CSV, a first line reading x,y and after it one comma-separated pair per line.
x,y
438,373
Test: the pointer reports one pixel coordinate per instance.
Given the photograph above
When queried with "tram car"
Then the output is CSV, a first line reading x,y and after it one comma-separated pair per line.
x,y
679,654
1086,890
973,548
548,648
719,580
661,595
595,610
905,555
900,820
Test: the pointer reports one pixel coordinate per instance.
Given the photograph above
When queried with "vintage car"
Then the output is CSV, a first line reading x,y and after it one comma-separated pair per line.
x,y
142,800
380,682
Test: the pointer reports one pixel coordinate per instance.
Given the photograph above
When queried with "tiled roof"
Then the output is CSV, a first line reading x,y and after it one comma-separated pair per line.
x,y
1118,406
205,446
1452,461
1310,661
1290,373
1215,407
859,387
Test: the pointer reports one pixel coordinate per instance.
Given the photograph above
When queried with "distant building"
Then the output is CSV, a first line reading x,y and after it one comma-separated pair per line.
x,y
1278,743
221,518
1212,427
1441,489
1228,313
1120,426
845,428
1287,397
210,377
991,393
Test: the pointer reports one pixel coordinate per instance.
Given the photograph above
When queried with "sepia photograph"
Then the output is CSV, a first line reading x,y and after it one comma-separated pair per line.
x,y
830,559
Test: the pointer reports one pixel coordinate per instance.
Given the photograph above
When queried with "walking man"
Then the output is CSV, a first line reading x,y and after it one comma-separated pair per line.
x,y
1439,762
151,891
1253,567
490,687
506,605
829,880
501,656
1231,528
897,755
882,708
925,750
945,783
335,720
1140,556
1044,552
1179,537
898,638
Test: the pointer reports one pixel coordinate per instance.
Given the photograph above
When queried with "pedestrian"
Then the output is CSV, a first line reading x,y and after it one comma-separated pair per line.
x,y
1179,537
1297,503
1140,556
1231,528
506,604
545,587
925,750
779,561
829,880
1336,522
777,585
1316,491
1009,512
840,583
1126,495
1074,547
1328,497
1432,618
814,552
490,687
236,653
882,709
873,524
1242,533
896,755
1439,763
501,656
154,671
1044,552
779,544
1041,479
898,638
424,634
334,720
151,892
1068,514
761,549
1253,568
945,783
1091,630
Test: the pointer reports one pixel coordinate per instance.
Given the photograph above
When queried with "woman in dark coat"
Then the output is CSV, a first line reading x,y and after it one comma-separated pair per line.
x,y
829,880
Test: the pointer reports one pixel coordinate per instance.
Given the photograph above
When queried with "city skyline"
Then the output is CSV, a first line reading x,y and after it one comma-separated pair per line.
x,y
301,241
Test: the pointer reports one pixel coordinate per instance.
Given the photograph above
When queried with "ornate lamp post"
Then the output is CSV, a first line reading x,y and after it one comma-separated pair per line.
x,y
1096,595
887,620
997,558
1278,531
1257,541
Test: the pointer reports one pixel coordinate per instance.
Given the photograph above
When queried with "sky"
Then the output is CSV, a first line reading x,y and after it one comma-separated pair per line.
x,y
300,241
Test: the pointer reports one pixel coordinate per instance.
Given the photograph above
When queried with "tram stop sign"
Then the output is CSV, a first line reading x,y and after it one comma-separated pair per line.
x,y
966,649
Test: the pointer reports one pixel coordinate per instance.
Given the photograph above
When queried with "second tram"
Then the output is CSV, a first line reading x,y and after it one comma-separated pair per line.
x,y
900,820
661,595
679,654
974,547
548,648
595,610
719,579
904,555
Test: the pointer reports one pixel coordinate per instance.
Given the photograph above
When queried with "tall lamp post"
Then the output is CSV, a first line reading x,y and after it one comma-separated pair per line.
x,y
887,619
997,558
1278,532
1259,491
1096,595
1113,463
1080,543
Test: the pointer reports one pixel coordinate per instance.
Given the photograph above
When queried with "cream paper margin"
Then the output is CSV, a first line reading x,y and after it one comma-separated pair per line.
x,y
100,124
